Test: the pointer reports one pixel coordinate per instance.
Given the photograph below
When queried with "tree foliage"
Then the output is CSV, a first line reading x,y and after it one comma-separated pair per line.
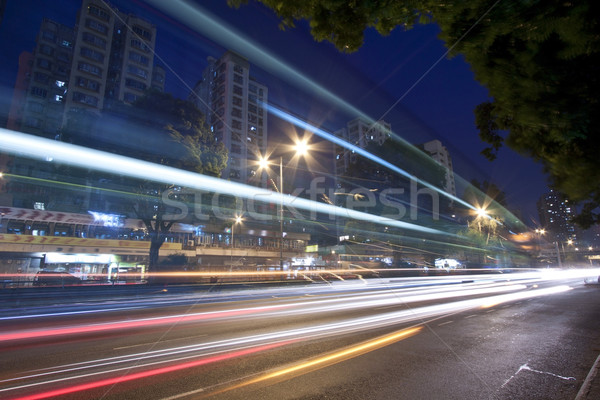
x,y
157,128
539,59
193,147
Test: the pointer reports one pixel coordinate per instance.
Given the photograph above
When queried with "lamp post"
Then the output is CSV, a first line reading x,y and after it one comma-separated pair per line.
x,y
540,233
237,220
301,148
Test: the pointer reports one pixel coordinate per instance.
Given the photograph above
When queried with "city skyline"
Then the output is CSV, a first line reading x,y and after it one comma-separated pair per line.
x,y
452,113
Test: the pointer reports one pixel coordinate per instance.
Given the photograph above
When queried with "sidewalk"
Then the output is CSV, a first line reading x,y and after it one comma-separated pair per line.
x,y
590,390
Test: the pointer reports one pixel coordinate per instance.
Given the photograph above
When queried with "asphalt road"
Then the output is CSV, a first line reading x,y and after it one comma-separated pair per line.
x,y
525,336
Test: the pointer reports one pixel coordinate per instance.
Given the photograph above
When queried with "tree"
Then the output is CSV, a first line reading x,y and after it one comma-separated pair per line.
x,y
539,60
192,147
161,129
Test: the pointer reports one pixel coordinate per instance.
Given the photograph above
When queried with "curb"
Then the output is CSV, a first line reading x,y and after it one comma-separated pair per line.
x,y
589,380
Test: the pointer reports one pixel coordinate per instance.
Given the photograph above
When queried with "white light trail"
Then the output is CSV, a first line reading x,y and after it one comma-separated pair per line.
x,y
78,156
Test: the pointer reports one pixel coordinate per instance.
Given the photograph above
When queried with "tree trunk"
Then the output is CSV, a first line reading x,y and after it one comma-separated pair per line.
x,y
156,242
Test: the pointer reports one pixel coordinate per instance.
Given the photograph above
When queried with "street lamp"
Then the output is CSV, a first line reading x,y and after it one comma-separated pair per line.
x,y
301,147
237,220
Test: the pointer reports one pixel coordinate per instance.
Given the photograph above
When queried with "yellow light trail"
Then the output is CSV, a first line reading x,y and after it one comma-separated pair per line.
x,y
330,359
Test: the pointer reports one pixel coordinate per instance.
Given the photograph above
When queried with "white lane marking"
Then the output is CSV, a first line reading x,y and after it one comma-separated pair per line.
x,y
528,368
445,323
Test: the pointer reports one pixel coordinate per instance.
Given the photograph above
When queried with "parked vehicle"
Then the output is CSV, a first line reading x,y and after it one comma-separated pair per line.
x,y
55,278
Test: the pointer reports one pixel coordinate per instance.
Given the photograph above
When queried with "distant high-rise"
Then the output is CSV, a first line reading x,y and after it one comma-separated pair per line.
x,y
358,132
555,216
233,103
440,154
107,57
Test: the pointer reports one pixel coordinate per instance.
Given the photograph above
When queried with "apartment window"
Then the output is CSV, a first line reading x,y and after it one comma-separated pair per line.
x,y
60,83
94,40
39,92
66,43
235,124
62,70
132,69
238,90
85,99
92,54
138,58
97,26
92,69
43,63
135,84
238,69
49,36
252,108
238,79
41,77
36,107
88,84
63,56
252,88
252,118
47,50
236,148
236,112
98,12
142,32
58,98
138,44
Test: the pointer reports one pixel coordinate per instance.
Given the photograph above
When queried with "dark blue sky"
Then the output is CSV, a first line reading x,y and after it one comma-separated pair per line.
x,y
372,79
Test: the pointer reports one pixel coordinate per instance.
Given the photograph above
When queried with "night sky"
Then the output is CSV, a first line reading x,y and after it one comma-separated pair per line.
x,y
373,79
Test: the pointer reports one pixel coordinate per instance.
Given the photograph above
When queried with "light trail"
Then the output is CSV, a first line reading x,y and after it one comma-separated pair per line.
x,y
330,359
145,374
362,301
183,353
359,150
78,156
138,323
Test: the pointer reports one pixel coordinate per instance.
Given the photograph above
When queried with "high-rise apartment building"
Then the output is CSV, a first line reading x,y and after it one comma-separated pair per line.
x,y
440,154
39,103
108,56
555,216
234,105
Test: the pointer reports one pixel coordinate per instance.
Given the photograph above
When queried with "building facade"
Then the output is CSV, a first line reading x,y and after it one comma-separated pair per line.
x,y
440,154
107,57
234,105
555,214
358,132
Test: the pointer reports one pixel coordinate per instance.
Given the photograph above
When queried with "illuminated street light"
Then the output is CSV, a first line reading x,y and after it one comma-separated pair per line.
x,y
481,212
570,241
237,220
301,148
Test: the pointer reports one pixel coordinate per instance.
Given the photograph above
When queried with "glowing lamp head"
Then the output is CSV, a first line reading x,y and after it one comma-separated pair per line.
x,y
263,162
481,213
301,147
